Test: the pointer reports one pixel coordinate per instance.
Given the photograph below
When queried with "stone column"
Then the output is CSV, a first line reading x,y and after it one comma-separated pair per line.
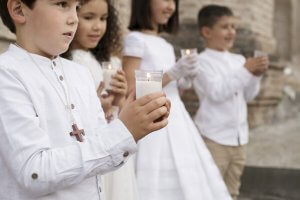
x,y
124,9
6,37
295,4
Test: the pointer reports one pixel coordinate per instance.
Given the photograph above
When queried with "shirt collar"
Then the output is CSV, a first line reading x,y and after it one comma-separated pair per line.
x,y
22,53
215,53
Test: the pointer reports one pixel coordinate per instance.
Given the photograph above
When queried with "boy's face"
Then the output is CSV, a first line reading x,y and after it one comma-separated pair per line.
x,y
92,24
50,26
222,35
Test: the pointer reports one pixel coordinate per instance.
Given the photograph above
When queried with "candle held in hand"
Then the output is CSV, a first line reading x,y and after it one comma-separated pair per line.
x,y
148,82
108,71
187,52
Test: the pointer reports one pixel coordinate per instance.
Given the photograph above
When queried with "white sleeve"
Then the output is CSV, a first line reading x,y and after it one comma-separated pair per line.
x,y
41,169
252,89
133,45
218,87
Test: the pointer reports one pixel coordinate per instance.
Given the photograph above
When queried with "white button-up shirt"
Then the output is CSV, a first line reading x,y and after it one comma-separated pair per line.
x,y
39,160
224,86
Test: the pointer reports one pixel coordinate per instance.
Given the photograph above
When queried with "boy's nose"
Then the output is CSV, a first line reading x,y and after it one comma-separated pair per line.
x,y
232,31
72,19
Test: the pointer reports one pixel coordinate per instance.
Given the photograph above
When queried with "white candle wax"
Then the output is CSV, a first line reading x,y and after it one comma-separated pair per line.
x,y
107,73
147,87
187,52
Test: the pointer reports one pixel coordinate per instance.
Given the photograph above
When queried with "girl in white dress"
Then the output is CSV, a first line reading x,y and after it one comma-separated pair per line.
x,y
174,163
98,39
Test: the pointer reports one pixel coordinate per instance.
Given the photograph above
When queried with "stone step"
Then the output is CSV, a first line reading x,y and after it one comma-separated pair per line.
x,y
270,184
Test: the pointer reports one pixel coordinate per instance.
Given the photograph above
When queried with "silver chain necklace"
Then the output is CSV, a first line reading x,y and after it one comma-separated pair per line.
x,y
68,105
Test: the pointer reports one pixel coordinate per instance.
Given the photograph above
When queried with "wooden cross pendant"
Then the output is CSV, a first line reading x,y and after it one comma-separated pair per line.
x,y
77,133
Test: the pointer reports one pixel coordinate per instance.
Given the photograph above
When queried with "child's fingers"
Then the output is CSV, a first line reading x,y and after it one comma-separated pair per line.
x,y
116,90
150,97
120,71
158,113
158,125
100,88
120,75
168,105
156,104
118,84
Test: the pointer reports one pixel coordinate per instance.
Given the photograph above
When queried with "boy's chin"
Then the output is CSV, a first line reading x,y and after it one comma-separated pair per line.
x,y
61,50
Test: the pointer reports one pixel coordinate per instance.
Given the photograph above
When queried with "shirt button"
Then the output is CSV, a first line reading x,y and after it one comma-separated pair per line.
x,y
126,154
61,78
54,63
72,106
34,176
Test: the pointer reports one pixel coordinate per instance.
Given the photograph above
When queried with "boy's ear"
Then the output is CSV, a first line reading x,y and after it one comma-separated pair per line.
x,y
205,32
15,9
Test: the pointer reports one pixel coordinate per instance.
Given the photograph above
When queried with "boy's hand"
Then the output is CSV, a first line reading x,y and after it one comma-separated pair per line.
x,y
118,86
257,66
141,116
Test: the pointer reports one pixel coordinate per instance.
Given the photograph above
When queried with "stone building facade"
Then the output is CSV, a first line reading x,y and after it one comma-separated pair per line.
x,y
269,25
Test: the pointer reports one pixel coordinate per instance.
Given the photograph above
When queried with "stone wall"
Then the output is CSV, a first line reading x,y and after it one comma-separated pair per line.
x,y
5,37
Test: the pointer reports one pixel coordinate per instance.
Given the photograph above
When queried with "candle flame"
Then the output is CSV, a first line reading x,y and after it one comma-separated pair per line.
x,y
109,66
188,52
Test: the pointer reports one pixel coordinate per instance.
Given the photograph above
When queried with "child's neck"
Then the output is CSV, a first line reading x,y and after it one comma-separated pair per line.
x,y
153,31
30,49
216,48
150,32
76,46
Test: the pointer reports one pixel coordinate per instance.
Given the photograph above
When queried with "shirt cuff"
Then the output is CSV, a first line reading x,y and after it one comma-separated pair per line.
x,y
119,142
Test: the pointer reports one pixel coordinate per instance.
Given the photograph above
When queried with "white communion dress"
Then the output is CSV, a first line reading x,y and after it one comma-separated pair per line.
x,y
119,184
172,163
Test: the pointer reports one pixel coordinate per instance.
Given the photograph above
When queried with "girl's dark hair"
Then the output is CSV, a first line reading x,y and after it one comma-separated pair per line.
x,y
209,15
141,17
111,42
5,16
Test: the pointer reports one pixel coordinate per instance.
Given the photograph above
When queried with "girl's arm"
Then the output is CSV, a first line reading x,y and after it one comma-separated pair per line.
x,y
130,64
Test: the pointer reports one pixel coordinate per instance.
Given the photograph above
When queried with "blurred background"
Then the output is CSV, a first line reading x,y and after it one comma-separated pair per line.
x,y
272,26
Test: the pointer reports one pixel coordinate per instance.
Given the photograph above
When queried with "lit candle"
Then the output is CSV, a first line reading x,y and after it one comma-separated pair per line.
x,y
186,52
258,53
148,82
108,71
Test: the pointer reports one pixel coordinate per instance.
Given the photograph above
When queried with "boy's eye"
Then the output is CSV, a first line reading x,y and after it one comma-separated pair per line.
x,y
62,4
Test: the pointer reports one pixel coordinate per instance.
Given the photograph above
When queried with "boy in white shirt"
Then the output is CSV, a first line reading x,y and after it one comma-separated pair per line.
x,y
54,138
225,82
